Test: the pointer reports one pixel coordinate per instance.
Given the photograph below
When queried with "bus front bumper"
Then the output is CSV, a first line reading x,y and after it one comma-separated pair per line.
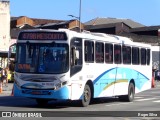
x,y
62,93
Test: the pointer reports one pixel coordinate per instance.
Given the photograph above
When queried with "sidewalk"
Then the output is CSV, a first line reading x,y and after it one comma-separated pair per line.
x,y
7,90
157,83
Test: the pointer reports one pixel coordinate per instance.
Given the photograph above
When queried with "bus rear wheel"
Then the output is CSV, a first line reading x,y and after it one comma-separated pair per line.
x,y
86,97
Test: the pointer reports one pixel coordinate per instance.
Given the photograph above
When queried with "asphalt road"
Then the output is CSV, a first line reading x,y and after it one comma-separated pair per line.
x,y
146,104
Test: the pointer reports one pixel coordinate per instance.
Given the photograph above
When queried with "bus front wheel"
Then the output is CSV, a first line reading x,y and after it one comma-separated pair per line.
x,y
86,97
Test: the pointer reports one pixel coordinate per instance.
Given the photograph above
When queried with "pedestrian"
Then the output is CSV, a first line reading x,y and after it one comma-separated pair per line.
x,y
1,76
4,75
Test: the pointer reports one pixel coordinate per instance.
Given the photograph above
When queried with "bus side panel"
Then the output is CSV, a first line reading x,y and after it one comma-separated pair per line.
x,y
107,80
104,83
125,75
77,90
115,81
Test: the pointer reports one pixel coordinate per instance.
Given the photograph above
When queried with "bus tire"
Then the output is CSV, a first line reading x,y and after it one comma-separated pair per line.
x,y
131,93
86,97
42,102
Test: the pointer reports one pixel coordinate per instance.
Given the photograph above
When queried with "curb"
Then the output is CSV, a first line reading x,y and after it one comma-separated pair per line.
x,y
6,93
7,90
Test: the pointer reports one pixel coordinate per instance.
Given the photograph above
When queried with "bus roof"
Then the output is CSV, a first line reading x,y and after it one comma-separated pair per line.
x,y
103,36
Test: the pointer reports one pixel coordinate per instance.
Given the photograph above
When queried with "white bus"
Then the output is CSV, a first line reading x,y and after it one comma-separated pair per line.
x,y
67,65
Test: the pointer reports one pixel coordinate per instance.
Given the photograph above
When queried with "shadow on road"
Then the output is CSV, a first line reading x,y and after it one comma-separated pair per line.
x,y
10,101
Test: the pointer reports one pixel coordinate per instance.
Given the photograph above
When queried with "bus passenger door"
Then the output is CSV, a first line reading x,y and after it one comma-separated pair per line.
x,y
75,56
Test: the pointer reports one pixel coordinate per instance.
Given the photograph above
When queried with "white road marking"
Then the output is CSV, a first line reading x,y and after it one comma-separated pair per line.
x,y
147,96
138,97
145,99
155,92
119,104
157,101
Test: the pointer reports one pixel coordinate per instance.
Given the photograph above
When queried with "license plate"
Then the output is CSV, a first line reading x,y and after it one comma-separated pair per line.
x,y
36,92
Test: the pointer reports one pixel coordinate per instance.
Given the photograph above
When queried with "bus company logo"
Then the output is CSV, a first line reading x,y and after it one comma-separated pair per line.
x,y
21,114
6,114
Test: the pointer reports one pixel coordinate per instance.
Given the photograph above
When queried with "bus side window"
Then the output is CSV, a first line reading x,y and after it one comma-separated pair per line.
x,y
108,53
135,55
117,54
89,51
99,53
126,54
143,56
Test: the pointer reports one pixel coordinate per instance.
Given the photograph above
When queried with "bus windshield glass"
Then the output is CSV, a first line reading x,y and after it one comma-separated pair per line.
x,y
42,58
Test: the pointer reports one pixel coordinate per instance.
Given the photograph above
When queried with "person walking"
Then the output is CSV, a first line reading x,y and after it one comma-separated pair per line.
x,y
4,75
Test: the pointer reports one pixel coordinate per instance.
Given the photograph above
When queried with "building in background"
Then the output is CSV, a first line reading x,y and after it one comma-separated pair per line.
x,y
4,31
129,28
4,25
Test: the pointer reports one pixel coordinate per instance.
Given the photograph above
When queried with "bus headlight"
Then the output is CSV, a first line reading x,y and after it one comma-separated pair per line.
x,y
59,85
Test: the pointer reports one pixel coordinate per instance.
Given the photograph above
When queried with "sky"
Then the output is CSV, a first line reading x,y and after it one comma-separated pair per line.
x,y
146,12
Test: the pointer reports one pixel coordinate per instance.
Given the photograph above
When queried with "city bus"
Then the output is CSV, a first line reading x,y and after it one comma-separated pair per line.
x,y
80,66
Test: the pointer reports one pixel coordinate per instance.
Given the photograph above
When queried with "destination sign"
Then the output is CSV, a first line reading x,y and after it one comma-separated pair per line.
x,y
42,36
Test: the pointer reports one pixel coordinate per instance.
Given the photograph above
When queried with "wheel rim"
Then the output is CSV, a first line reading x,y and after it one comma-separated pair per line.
x,y
86,95
131,93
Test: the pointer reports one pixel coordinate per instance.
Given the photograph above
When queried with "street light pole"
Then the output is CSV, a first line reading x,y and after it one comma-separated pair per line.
x,y
78,18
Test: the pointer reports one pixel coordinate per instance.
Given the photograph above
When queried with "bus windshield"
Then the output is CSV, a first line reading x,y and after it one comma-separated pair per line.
x,y
42,58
